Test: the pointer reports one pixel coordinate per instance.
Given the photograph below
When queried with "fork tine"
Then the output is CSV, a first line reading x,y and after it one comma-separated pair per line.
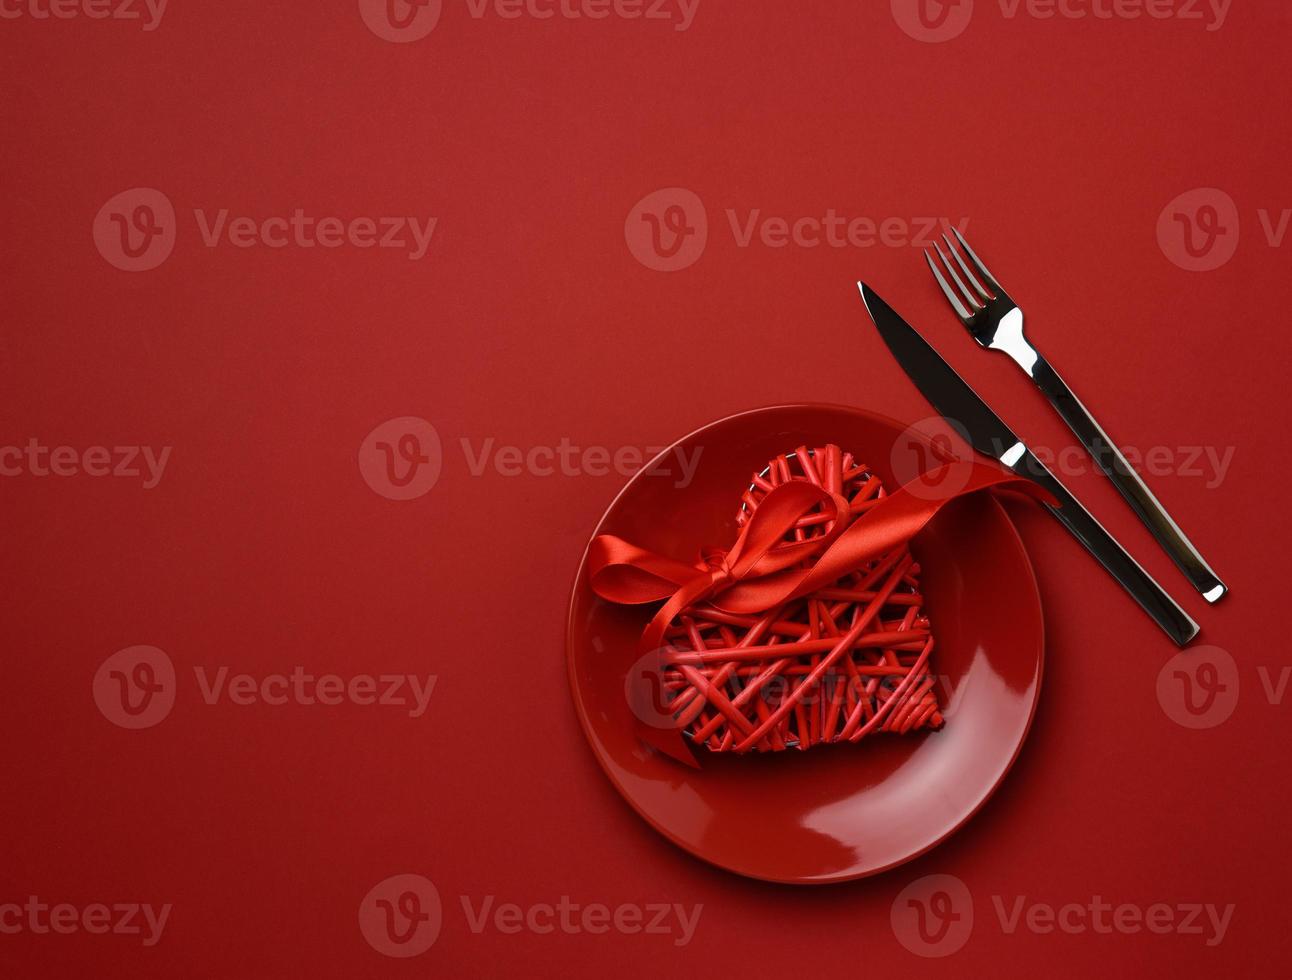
x,y
991,280
964,290
982,293
952,298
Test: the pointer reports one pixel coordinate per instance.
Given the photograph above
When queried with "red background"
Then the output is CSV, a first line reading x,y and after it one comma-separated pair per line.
x,y
529,321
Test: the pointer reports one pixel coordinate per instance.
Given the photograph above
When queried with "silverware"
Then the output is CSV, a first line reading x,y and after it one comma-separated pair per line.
x,y
959,405
996,322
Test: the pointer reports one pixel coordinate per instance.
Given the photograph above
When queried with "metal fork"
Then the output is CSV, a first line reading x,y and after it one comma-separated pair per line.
x,y
995,321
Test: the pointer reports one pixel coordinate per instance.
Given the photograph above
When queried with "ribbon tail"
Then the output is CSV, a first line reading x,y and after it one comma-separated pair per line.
x,y
621,572
668,742
893,523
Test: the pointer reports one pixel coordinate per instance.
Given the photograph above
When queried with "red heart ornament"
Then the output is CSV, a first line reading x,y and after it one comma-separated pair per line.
x,y
808,630
836,665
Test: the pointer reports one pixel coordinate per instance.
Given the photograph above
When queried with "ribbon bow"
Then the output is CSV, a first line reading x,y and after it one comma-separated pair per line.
x,y
762,570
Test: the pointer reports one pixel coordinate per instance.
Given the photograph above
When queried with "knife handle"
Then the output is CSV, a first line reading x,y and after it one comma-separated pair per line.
x,y
1123,476
1141,586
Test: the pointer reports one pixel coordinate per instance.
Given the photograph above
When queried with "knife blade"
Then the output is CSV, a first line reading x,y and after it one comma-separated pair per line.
x,y
956,402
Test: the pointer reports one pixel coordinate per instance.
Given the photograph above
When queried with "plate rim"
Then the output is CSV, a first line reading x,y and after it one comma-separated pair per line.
x,y
1015,543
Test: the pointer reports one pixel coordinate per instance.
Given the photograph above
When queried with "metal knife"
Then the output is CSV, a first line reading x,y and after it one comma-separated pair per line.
x,y
959,405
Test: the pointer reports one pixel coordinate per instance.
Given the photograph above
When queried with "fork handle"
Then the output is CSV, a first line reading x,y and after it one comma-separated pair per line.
x,y
1114,465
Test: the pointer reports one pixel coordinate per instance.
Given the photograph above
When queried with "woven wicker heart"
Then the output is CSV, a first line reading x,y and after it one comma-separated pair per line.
x,y
737,683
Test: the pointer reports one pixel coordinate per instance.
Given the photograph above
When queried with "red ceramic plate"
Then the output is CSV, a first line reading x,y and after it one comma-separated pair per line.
x,y
834,812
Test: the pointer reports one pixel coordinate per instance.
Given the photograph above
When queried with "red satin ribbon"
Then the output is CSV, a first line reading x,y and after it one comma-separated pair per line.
x,y
762,570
